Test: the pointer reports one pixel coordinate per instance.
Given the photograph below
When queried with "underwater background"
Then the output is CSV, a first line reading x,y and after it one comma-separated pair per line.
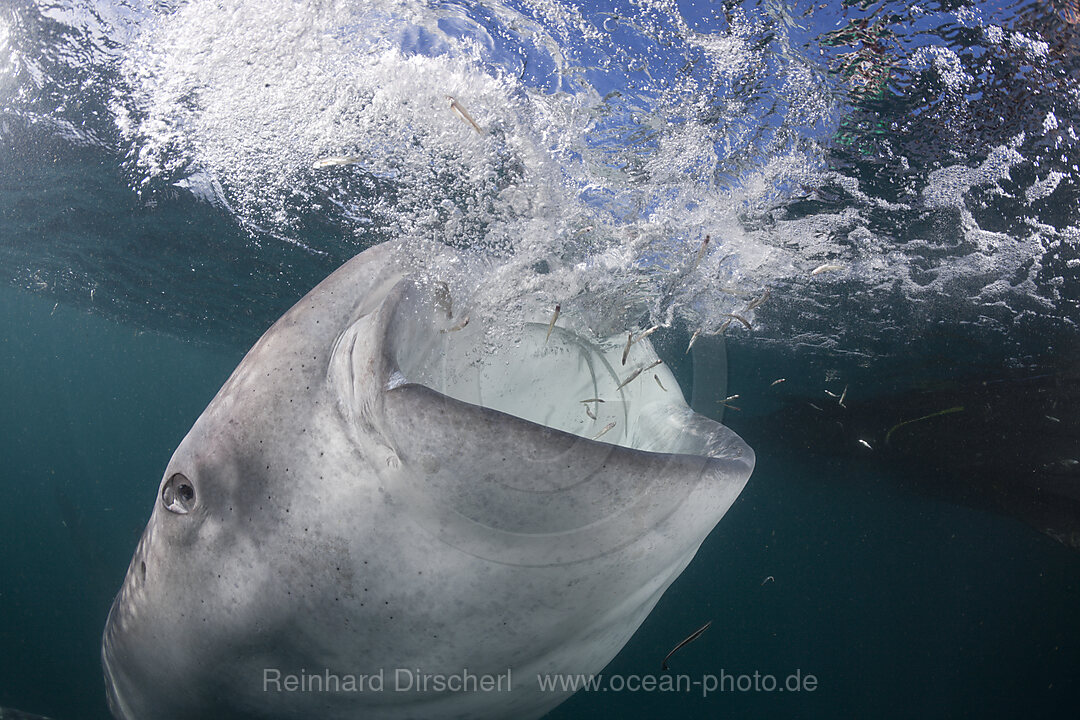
x,y
891,194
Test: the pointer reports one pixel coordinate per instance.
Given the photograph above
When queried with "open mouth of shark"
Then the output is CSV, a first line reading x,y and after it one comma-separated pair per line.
x,y
546,433
552,372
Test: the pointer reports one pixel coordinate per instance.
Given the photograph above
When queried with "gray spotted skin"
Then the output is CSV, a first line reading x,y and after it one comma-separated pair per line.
x,y
345,518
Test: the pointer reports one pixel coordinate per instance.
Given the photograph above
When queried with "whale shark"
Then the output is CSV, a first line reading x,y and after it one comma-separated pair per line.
x,y
388,511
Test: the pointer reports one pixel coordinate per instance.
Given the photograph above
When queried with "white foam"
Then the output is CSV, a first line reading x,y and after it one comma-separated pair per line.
x,y
595,164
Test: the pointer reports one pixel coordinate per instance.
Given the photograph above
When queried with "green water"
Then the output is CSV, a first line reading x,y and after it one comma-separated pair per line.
x,y
91,413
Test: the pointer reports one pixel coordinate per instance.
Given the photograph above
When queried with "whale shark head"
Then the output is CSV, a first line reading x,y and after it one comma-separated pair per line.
x,y
381,486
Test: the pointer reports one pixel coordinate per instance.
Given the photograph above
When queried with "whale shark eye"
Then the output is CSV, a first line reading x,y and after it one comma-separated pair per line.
x,y
178,494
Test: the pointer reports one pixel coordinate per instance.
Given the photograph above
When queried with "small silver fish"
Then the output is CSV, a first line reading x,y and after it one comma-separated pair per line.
x,y
842,396
589,413
701,252
335,160
826,268
757,303
693,339
690,638
704,247
626,350
593,400
741,319
657,379
865,444
464,114
726,402
551,325
647,333
607,427
637,372
777,382
461,323
629,377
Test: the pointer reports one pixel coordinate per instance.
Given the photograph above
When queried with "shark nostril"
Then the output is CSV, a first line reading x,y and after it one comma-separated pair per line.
x,y
142,569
